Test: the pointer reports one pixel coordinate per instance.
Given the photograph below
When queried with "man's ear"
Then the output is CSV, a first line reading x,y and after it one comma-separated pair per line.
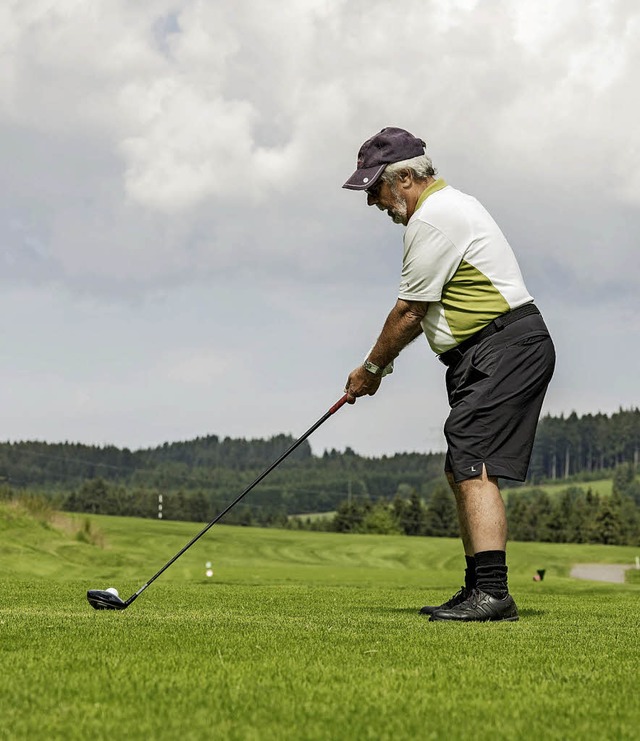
x,y
405,179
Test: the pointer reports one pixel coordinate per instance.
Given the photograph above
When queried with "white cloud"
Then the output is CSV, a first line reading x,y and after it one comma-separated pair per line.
x,y
193,147
154,149
228,101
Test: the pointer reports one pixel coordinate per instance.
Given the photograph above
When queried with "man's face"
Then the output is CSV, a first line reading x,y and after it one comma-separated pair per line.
x,y
387,197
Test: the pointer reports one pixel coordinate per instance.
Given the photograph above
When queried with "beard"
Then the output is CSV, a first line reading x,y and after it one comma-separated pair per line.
x,y
398,209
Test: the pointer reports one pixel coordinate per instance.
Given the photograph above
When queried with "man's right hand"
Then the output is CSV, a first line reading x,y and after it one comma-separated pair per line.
x,y
361,383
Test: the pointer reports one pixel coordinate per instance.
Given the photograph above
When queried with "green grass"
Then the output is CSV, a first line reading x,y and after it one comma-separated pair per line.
x,y
315,515
601,487
301,636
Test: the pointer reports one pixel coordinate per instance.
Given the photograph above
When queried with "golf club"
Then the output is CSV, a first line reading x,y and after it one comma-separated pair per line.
x,y
102,599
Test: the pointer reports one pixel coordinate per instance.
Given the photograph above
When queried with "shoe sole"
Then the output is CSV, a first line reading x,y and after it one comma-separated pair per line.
x,y
434,619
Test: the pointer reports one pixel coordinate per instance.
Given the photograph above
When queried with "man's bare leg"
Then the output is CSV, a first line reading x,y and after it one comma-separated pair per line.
x,y
462,521
481,514
483,527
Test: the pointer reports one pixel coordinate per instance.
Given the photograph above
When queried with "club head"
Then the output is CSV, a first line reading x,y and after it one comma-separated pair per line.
x,y
100,599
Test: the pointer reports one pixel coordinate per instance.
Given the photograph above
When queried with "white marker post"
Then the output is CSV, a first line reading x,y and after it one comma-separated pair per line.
x,y
159,506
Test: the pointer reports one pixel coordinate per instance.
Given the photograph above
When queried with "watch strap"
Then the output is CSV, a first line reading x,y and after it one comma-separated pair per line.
x,y
376,370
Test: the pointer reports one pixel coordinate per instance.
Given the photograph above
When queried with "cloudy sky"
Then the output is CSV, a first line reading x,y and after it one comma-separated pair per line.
x,y
177,256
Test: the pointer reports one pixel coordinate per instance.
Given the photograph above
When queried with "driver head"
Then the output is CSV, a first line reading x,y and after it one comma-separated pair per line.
x,y
100,599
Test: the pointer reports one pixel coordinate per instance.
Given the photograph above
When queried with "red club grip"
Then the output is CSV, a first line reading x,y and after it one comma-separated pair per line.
x,y
338,404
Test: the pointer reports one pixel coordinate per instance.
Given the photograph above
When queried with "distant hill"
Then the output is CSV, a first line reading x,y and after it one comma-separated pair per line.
x,y
200,476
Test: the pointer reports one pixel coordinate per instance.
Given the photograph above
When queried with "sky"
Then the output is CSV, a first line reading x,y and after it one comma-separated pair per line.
x,y
177,255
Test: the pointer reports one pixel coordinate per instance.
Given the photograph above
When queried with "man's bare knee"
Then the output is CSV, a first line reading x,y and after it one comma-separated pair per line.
x,y
477,483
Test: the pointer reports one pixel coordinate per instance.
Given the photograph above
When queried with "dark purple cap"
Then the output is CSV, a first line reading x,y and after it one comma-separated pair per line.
x,y
390,145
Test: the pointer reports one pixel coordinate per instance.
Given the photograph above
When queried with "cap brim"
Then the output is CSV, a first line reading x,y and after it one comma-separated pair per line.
x,y
365,178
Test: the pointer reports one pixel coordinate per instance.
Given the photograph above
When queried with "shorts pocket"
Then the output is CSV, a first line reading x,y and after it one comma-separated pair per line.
x,y
484,360
530,339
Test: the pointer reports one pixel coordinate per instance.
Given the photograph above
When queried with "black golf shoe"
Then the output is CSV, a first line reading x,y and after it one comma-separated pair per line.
x,y
460,596
480,607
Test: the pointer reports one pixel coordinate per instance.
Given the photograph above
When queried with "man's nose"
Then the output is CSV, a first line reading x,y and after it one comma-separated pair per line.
x,y
371,200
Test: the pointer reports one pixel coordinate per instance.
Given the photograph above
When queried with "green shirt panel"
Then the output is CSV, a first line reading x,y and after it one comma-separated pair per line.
x,y
470,288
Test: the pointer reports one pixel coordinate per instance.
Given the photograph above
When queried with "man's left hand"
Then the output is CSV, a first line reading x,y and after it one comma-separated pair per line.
x,y
361,383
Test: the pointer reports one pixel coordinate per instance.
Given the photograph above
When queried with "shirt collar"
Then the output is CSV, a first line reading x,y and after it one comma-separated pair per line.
x,y
439,184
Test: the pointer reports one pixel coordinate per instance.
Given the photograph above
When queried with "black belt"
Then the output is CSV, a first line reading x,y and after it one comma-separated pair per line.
x,y
453,356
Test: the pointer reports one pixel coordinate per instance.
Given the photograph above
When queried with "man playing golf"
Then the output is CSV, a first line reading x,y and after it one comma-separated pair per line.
x,y
461,285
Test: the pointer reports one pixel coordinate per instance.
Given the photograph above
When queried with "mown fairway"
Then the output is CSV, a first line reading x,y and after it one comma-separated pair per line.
x,y
302,636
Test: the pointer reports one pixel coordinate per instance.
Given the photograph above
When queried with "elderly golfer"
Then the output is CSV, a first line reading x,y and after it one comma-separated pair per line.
x,y
462,287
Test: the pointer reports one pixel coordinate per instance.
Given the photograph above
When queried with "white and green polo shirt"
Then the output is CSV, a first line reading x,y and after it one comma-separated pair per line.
x,y
457,259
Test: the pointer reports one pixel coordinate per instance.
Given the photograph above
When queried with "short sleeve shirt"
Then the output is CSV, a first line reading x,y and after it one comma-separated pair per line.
x,y
457,259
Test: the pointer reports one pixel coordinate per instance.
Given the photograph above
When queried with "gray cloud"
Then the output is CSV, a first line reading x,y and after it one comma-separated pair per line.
x,y
163,153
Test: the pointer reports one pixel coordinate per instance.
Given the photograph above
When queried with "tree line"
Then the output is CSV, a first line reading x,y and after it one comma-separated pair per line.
x,y
584,446
198,478
185,475
575,515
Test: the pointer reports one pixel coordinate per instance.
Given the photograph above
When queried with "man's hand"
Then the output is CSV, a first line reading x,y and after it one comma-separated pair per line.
x,y
361,383
401,327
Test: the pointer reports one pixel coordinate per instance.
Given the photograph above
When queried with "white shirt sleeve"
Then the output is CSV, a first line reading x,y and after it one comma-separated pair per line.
x,y
430,261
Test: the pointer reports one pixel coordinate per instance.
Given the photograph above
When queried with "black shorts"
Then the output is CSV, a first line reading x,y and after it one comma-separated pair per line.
x,y
496,391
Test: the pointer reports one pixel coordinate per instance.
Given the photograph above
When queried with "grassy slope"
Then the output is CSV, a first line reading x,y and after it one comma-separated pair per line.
x,y
302,636
602,487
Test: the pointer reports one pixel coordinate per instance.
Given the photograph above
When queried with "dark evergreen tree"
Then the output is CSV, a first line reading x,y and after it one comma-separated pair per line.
x,y
541,514
574,516
350,516
517,508
607,527
441,516
413,519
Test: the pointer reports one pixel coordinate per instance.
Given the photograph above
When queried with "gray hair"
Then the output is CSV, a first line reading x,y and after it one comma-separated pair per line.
x,y
421,167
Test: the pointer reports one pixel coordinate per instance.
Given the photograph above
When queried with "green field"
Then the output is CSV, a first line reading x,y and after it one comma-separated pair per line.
x,y
301,635
601,487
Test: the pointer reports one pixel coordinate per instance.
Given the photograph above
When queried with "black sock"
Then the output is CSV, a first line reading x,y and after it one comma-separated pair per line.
x,y
470,573
491,573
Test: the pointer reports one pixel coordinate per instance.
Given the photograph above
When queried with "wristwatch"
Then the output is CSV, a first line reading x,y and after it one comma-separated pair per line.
x,y
376,370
